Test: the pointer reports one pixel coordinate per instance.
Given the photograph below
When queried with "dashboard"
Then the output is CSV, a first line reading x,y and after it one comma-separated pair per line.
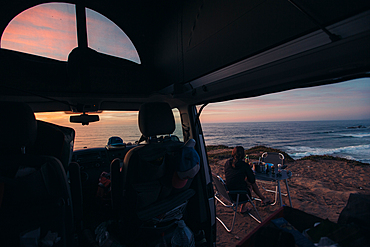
x,y
94,161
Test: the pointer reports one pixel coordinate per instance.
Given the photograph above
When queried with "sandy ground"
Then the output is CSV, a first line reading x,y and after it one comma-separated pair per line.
x,y
320,188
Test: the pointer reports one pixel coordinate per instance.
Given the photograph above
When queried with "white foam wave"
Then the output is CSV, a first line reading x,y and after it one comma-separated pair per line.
x,y
301,151
356,135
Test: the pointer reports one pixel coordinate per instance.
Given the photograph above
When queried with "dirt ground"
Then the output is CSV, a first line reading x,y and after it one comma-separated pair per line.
x,y
320,188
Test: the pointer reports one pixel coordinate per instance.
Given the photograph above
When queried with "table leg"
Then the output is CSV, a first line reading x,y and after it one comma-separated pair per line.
x,y
287,189
276,195
279,191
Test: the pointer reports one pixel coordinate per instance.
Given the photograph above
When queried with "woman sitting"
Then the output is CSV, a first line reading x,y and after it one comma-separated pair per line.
x,y
239,176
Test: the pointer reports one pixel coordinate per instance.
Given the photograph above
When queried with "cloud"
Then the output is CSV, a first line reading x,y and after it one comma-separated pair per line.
x,y
346,100
106,37
47,30
50,30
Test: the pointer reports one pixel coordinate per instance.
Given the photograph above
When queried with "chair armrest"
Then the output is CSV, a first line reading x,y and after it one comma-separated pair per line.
x,y
283,167
289,173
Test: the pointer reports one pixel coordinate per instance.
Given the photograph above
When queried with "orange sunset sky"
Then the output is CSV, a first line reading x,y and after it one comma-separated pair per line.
x,y
50,30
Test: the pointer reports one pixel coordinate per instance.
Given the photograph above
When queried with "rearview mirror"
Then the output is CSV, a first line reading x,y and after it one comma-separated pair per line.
x,y
84,119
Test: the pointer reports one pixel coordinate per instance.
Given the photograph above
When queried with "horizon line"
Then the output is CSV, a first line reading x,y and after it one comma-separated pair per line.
x,y
275,121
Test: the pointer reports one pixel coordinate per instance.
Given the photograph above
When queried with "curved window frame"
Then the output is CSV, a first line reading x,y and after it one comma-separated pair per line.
x,y
50,30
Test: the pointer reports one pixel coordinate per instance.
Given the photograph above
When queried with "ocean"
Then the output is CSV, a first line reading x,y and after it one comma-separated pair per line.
x,y
347,138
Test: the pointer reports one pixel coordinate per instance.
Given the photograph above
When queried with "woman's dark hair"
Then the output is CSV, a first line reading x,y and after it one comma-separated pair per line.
x,y
237,154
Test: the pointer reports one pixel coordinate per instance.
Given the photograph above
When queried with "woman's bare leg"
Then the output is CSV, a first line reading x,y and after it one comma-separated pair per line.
x,y
259,194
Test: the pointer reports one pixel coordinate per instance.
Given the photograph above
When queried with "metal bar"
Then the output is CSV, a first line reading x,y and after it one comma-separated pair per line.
x,y
273,191
279,189
81,24
224,225
259,219
333,37
287,189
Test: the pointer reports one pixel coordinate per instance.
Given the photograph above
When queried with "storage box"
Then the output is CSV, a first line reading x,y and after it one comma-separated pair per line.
x,y
299,219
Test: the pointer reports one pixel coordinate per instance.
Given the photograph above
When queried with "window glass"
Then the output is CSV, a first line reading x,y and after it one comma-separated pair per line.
x,y
47,30
178,131
106,37
330,120
112,123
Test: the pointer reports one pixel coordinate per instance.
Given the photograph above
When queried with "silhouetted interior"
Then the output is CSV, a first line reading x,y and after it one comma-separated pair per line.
x,y
192,52
180,42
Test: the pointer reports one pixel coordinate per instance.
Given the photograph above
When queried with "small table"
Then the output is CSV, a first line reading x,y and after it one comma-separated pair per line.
x,y
277,177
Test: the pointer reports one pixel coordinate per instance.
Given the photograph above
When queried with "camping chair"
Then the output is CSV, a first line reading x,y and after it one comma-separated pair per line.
x,y
222,194
273,158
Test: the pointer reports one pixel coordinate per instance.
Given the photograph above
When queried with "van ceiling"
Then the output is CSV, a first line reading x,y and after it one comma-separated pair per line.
x,y
197,51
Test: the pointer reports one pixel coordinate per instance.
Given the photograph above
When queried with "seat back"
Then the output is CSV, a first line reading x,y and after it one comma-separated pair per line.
x,y
272,157
152,184
144,175
36,197
221,187
54,140
148,172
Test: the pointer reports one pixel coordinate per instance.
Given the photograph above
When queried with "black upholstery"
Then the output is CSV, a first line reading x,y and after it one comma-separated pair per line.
x,y
145,163
54,140
76,194
143,189
18,127
36,195
156,119
116,184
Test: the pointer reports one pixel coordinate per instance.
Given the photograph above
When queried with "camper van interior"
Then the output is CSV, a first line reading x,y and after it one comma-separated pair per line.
x,y
79,58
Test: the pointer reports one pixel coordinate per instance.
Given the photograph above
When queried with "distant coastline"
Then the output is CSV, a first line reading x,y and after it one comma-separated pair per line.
x,y
284,121
216,153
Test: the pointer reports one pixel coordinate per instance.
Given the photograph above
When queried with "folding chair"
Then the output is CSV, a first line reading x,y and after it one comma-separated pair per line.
x,y
273,158
222,194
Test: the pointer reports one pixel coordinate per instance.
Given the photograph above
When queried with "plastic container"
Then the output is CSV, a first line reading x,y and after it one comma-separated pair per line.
x,y
182,236
269,167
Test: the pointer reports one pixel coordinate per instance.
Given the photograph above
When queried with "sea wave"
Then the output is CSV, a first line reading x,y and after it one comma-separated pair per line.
x,y
359,135
359,152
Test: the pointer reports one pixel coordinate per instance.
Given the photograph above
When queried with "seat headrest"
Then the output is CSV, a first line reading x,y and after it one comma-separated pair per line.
x,y
156,119
18,127
54,140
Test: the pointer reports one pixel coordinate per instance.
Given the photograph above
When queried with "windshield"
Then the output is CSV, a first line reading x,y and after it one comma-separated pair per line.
x,y
122,124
